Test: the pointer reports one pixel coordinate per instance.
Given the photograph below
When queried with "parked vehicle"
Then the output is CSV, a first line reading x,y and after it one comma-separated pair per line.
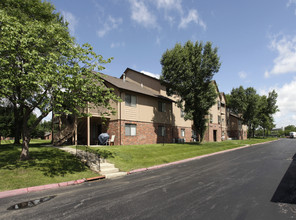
x,y
292,134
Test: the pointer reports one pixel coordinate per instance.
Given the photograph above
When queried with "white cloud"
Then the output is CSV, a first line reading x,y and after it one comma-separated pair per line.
x,y
242,74
286,103
291,2
170,5
157,76
110,24
192,17
147,13
71,19
117,44
141,14
285,62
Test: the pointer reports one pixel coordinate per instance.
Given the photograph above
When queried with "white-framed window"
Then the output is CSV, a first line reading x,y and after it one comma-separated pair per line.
x,y
182,132
161,131
130,100
182,113
130,129
161,106
211,118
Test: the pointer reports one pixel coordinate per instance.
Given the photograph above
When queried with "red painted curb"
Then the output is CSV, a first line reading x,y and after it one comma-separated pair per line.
x,y
13,192
193,158
38,188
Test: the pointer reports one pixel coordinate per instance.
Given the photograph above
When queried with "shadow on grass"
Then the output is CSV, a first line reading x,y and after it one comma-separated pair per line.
x,y
50,161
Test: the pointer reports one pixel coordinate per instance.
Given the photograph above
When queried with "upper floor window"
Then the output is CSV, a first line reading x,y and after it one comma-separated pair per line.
x,y
211,118
219,104
182,113
219,119
161,106
130,100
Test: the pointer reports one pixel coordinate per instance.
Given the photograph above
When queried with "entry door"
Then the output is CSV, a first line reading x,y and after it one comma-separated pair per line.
x,y
215,135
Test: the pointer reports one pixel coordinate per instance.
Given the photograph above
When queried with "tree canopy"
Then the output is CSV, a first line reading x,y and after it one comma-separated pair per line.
x,y
42,67
256,110
187,71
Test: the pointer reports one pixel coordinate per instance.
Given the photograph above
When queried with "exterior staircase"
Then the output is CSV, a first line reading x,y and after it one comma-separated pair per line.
x,y
96,164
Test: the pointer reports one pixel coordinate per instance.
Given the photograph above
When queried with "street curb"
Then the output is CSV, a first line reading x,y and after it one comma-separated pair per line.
x,y
193,158
39,188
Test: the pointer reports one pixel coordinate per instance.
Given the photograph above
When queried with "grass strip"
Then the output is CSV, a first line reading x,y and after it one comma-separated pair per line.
x,y
131,157
47,165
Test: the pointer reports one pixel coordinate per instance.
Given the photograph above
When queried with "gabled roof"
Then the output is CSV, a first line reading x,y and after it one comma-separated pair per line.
x,y
235,115
129,69
129,86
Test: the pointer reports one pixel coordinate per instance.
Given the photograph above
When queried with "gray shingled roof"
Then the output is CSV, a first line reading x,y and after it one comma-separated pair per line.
x,y
129,86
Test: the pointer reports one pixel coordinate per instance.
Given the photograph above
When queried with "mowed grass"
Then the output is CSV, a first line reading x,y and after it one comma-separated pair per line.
x,y
131,157
47,165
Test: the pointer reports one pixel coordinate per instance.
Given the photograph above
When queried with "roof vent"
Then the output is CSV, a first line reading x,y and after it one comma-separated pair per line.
x,y
142,85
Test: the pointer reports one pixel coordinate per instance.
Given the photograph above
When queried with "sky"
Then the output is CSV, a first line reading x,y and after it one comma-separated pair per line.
x,y
256,39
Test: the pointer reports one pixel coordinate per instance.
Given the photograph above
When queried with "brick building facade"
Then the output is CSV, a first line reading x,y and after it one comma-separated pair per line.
x,y
147,115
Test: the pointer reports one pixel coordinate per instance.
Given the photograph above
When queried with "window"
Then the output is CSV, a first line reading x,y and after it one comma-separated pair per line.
x,y
219,119
219,104
182,132
182,113
130,100
211,118
130,130
161,131
161,106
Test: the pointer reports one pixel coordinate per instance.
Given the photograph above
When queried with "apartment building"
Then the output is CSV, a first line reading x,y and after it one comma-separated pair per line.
x,y
146,115
235,127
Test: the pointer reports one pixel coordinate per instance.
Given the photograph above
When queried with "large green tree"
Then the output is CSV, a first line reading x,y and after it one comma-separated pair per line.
x,y
41,66
187,71
256,110
267,108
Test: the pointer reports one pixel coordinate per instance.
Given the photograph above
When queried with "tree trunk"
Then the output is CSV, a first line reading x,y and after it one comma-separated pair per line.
x,y
25,146
25,149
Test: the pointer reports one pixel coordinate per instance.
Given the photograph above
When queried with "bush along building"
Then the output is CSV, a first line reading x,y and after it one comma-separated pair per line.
x,y
146,115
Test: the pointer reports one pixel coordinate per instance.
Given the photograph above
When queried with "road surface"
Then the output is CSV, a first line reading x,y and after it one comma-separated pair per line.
x,y
258,182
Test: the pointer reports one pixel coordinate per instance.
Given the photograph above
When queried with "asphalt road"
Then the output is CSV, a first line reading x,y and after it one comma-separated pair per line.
x,y
258,182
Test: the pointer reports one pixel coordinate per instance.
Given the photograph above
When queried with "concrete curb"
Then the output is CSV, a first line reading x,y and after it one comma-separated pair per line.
x,y
38,188
193,158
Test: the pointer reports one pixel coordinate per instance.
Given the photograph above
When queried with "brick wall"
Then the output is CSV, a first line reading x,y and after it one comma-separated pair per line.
x,y
146,133
209,133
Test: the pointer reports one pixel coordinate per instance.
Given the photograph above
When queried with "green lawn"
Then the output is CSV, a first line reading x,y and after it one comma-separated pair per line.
x,y
47,165
131,157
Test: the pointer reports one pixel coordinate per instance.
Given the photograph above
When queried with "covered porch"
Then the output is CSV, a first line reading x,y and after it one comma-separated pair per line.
x,y
89,128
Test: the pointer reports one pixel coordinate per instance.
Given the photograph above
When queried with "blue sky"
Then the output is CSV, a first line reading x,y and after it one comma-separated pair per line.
x,y
256,39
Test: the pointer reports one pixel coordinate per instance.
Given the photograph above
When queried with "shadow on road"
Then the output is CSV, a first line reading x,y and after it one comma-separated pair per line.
x,y
286,191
